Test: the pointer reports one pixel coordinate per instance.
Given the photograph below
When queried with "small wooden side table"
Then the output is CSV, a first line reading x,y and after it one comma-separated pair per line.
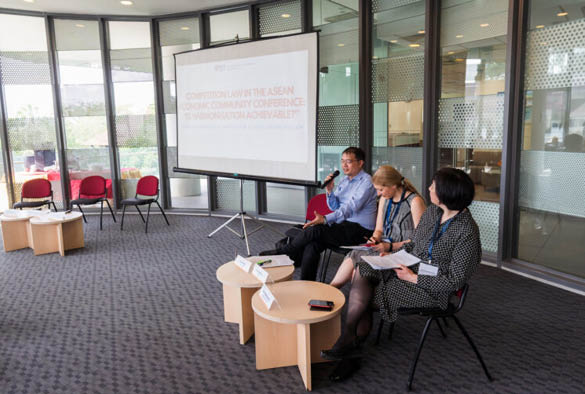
x,y
238,289
292,334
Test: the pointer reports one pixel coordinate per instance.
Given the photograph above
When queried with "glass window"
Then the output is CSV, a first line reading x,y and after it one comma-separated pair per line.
x,y
83,102
471,107
134,110
229,26
551,204
338,124
398,87
28,96
187,191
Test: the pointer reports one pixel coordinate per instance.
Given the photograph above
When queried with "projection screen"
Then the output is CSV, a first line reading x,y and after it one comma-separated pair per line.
x,y
249,110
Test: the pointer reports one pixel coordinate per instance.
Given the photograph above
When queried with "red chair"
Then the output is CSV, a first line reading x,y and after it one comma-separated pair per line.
x,y
319,204
36,188
147,186
91,191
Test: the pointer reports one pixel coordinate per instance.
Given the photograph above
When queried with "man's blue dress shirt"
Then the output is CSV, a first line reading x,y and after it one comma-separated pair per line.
x,y
353,200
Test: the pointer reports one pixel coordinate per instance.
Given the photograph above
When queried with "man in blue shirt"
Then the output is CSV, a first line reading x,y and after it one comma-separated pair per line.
x,y
352,221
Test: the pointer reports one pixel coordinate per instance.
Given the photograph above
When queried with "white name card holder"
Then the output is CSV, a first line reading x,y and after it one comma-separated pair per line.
x,y
260,273
267,296
243,263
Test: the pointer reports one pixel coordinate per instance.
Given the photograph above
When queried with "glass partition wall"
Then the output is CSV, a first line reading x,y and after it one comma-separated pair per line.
x,y
551,220
398,86
471,105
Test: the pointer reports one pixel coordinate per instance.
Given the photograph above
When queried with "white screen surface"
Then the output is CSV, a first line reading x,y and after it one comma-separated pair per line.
x,y
249,109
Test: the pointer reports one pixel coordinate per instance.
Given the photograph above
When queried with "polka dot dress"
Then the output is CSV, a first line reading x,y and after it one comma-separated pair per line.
x,y
457,253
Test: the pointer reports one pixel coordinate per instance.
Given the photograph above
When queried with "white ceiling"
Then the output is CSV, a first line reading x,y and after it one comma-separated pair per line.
x,y
113,7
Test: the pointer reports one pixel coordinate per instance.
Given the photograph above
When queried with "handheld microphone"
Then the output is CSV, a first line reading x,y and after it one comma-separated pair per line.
x,y
335,174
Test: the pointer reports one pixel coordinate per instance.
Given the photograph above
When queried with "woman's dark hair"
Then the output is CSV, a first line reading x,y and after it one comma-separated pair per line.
x,y
454,188
357,152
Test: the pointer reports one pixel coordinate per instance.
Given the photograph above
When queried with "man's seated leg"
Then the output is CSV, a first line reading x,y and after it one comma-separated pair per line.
x,y
310,260
298,243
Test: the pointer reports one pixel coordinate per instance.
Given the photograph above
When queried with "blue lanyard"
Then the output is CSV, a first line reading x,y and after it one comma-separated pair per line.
x,y
388,225
437,235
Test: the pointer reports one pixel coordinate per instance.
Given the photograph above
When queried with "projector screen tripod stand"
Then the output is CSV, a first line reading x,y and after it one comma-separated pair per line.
x,y
242,215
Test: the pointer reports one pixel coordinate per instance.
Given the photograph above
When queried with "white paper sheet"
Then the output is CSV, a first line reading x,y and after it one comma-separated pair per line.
x,y
279,260
391,260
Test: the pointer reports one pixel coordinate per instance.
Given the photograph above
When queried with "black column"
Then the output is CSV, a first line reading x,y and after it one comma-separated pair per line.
x,y
365,79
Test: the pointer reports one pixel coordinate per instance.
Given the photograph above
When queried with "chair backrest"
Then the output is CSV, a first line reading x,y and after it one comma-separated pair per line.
x,y
94,186
319,204
147,186
36,188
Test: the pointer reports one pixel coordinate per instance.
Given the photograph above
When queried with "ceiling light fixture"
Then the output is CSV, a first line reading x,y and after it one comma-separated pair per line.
x,y
79,25
185,28
341,44
285,16
563,13
414,45
126,2
450,52
421,32
539,26
459,36
393,41
29,1
459,60
484,25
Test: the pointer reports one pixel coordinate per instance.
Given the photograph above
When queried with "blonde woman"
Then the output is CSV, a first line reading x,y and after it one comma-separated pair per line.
x,y
399,211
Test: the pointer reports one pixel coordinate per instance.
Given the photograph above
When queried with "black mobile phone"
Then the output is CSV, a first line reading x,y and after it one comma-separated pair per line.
x,y
321,304
68,211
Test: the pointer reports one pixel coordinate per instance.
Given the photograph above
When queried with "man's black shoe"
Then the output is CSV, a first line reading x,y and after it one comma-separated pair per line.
x,y
271,252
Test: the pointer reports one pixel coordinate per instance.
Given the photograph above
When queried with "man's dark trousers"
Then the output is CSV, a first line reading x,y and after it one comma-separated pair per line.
x,y
313,240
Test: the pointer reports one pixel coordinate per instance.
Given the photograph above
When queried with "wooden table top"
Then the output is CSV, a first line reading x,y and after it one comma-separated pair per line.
x,y
230,274
55,217
293,298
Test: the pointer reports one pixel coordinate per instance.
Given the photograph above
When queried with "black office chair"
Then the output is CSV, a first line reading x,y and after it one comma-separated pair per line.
x,y
433,314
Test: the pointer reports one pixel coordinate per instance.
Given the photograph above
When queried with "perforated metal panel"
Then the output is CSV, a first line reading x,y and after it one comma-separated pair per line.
x,y
487,217
556,56
338,125
471,122
382,5
24,68
271,20
31,133
179,31
228,194
398,78
553,182
135,131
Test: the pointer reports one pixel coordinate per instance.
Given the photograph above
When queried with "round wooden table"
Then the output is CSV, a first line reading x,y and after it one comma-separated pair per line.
x,y
16,228
57,232
238,289
292,334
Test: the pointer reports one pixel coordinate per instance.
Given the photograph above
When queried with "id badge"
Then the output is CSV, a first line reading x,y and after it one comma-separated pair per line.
x,y
427,269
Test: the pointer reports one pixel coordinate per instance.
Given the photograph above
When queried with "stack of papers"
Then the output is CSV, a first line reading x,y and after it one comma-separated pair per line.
x,y
279,260
391,260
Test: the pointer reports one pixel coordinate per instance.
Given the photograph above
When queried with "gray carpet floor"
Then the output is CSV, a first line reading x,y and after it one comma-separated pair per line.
x,y
143,313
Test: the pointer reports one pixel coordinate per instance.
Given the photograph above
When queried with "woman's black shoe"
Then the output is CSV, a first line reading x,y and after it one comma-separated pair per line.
x,y
351,350
344,369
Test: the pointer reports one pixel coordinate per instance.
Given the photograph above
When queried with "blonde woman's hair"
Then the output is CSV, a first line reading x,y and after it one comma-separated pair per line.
x,y
389,176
